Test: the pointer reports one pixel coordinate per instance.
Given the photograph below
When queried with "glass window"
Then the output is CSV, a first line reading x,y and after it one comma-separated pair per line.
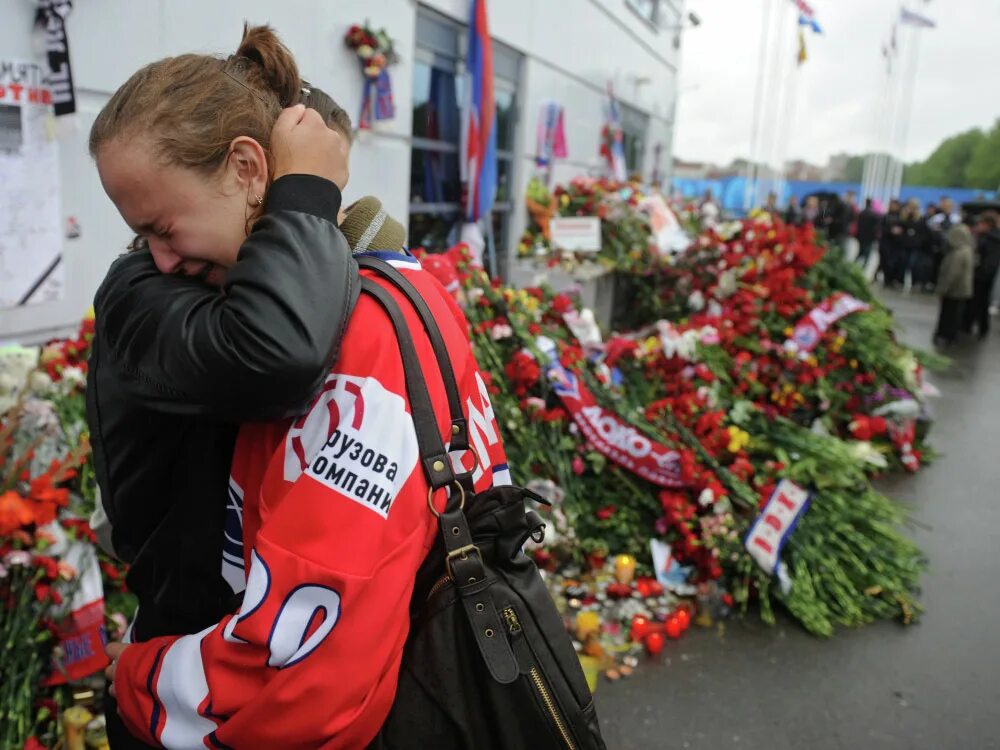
x,y
648,9
436,112
504,171
505,119
434,176
434,231
438,80
635,125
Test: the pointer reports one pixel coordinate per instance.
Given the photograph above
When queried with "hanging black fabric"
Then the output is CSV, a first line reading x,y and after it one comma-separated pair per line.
x,y
488,663
50,20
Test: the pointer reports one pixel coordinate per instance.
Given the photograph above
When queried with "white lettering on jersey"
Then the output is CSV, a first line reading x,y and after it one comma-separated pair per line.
x,y
357,439
482,427
258,585
295,633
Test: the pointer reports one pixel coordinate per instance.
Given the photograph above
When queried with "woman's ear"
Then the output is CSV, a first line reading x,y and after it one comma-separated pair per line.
x,y
247,168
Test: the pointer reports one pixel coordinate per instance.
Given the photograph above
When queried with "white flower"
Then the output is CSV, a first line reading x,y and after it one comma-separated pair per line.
x,y
864,452
500,332
74,375
727,283
696,301
40,383
706,498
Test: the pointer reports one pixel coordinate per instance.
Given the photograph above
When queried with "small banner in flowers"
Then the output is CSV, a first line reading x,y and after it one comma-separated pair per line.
x,y
81,628
611,436
775,524
809,330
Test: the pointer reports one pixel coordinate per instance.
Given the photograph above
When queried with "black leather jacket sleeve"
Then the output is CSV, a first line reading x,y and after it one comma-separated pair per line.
x,y
258,349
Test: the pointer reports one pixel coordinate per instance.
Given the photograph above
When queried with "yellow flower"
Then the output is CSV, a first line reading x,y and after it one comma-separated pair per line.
x,y
788,332
738,439
812,361
854,364
564,200
89,315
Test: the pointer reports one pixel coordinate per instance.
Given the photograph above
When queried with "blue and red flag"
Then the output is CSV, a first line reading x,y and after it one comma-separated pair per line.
x,y
479,131
613,139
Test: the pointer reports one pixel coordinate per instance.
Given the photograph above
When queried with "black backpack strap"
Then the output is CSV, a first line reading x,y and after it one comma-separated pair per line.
x,y
459,425
433,456
464,562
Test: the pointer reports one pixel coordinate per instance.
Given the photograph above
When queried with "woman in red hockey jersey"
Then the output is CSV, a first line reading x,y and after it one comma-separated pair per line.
x,y
333,505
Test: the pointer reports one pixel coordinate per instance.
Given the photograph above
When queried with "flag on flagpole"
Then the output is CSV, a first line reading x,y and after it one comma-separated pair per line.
x,y
613,139
479,127
811,22
912,18
804,7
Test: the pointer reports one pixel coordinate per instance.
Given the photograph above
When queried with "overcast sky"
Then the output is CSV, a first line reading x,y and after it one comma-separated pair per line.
x,y
841,84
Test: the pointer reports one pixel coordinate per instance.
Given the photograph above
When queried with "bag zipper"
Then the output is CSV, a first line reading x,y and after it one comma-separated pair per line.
x,y
514,628
550,705
438,585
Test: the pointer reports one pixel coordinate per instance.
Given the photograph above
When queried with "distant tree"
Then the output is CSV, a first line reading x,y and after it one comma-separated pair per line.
x,y
983,169
947,166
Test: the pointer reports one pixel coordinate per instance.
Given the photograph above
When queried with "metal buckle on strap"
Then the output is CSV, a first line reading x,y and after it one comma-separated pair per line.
x,y
462,553
430,498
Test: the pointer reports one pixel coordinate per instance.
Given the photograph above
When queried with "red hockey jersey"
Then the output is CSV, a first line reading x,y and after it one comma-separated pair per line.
x,y
329,519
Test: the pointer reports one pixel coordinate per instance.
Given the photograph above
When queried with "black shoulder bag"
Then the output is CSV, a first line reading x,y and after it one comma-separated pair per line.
x,y
488,662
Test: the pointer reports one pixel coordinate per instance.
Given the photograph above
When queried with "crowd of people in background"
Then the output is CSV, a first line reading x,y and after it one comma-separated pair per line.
x,y
937,250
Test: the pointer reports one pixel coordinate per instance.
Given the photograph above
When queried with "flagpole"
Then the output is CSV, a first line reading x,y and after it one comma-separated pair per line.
x,y
783,108
874,163
775,101
886,159
910,87
751,167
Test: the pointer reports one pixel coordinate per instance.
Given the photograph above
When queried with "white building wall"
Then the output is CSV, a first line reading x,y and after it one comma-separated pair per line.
x,y
572,49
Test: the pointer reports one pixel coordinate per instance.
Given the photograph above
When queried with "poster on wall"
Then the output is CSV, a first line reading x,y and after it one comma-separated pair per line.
x,y
31,241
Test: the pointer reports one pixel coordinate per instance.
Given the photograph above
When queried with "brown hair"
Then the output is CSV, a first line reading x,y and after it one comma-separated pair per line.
x,y
193,106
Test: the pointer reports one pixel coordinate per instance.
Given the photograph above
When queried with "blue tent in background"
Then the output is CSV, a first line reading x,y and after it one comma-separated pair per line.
x,y
728,191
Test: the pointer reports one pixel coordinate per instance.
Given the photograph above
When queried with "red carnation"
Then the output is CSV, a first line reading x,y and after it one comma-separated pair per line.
x,y
605,513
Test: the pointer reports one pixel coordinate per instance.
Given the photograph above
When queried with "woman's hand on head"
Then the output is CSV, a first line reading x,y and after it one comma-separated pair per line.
x,y
302,143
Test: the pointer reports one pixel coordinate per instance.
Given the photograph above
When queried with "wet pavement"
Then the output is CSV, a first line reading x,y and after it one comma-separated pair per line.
x,y
932,685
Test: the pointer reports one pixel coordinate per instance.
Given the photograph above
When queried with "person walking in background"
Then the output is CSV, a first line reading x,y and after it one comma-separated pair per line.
x,y
869,226
844,215
928,248
811,211
945,218
890,244
955,283
977,312
793,213
910,239
771,206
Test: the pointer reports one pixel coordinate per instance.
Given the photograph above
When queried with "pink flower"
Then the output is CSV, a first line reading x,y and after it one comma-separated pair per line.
x,y
578,466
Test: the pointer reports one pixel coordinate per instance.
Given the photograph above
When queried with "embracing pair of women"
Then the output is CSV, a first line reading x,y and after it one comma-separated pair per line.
x,y
252,433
